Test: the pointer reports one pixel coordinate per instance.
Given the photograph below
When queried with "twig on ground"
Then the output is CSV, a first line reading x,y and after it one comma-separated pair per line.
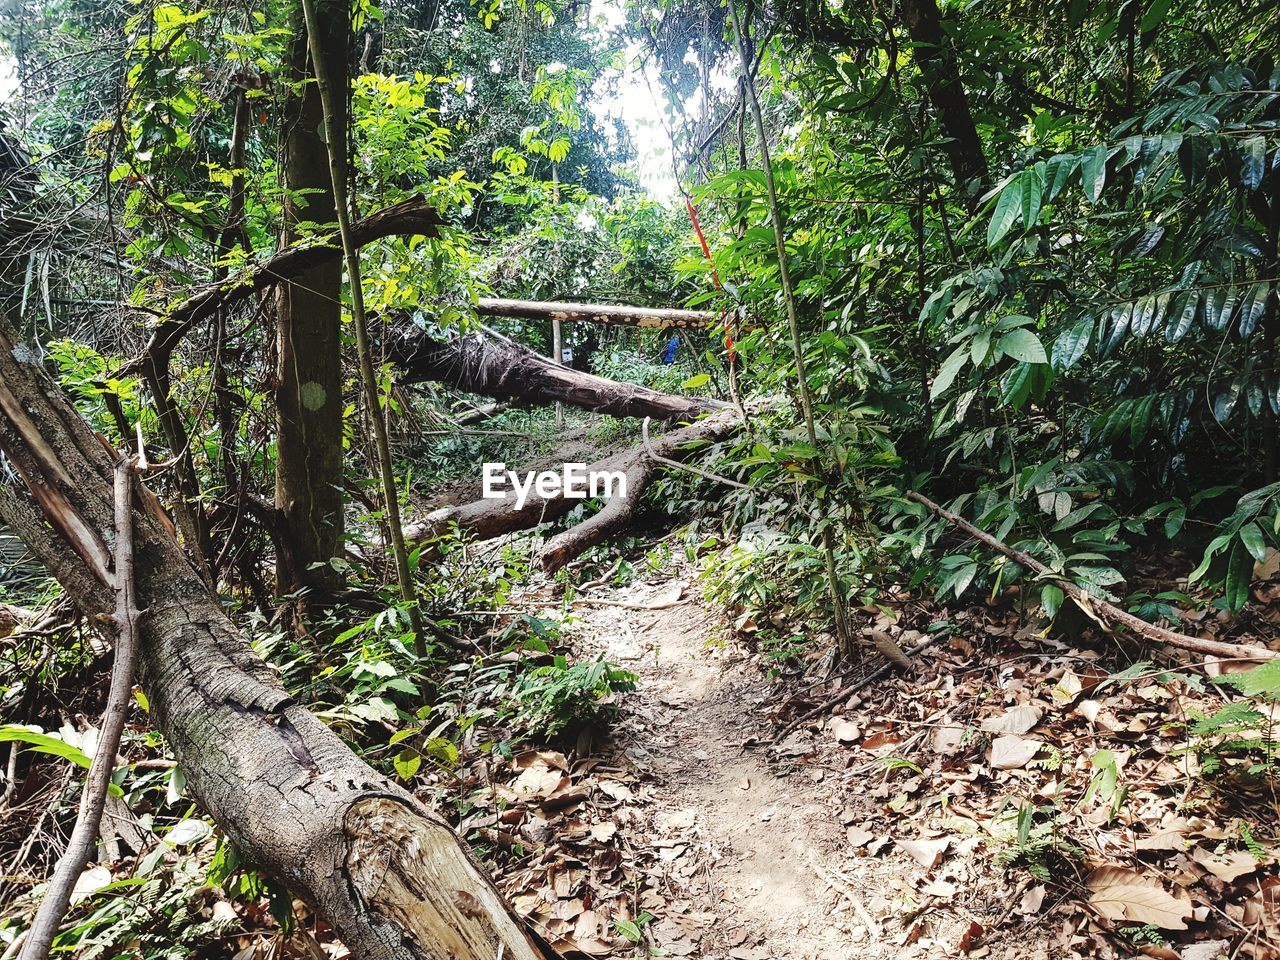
x,y
841,885
848,690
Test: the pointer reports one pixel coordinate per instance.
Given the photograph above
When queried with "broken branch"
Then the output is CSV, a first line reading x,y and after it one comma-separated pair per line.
x,y
1097,608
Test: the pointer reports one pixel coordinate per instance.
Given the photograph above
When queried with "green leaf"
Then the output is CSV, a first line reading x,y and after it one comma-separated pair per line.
x,y
1154,15
1094,172
1253,162
696,381
1252,307
1032,192
1051,598
1239,576
949,369
43,743
1022,344
407,763
1008,208
1057,172
1183,316
1173,521
1255,543
1071,345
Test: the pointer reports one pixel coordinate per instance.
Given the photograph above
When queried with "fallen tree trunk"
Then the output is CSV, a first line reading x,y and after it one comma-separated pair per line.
x,y
506,370
1097,608
661,318
489,518
389,874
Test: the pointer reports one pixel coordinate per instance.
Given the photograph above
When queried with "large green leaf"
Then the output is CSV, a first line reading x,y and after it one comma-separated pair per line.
x,y
1094,172
1071,345
1022,344
1252,307
43,743
1183,316
1251,536
1057,172
1239,576
1008,208
1032,192
950,367
1253,162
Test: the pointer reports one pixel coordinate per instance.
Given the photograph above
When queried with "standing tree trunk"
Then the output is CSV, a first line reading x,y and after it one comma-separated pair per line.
x,y
308,324
389,874
942,81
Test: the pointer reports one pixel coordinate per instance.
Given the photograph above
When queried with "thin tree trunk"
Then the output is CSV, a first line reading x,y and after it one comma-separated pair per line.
x,y
319,34
389,874
309,403
835,589
942,81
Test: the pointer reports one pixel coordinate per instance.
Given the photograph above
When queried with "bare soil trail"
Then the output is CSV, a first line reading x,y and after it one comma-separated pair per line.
x,y
737,842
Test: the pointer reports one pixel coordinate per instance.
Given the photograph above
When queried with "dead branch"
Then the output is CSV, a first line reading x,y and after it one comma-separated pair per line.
x,y
1098,609
661,318
845,692
489,518
48,918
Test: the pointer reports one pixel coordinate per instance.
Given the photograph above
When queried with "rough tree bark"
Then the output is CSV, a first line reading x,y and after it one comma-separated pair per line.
x,y
390,875
508,371
486,519
942,81
309,323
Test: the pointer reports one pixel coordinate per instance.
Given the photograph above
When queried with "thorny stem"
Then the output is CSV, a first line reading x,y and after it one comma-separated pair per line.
x,y
793,323
369,380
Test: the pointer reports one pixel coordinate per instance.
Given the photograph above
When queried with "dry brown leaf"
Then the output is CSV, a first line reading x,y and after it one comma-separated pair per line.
x,y
1206,950
1227,867
971,937
1032,899
858,837
1119,893
604,832
1012,752
845,731
927,853
1018,720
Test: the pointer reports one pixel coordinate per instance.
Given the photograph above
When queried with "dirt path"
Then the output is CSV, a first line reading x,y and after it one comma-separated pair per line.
x,y
738,846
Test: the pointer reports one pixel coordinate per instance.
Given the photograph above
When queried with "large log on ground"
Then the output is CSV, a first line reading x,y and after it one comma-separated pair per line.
x,y
389,874
612,315
506,370
489,518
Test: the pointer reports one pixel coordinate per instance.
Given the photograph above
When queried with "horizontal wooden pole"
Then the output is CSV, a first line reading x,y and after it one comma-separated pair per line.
x,y
619,316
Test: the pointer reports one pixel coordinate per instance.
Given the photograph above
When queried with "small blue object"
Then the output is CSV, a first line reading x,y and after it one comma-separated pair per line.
x,y
669,352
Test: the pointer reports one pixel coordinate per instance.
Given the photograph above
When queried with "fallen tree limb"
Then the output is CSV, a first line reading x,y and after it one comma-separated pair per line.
x,y
489,518
660,318
84,836
1096,608
505,370
388,873
640,470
